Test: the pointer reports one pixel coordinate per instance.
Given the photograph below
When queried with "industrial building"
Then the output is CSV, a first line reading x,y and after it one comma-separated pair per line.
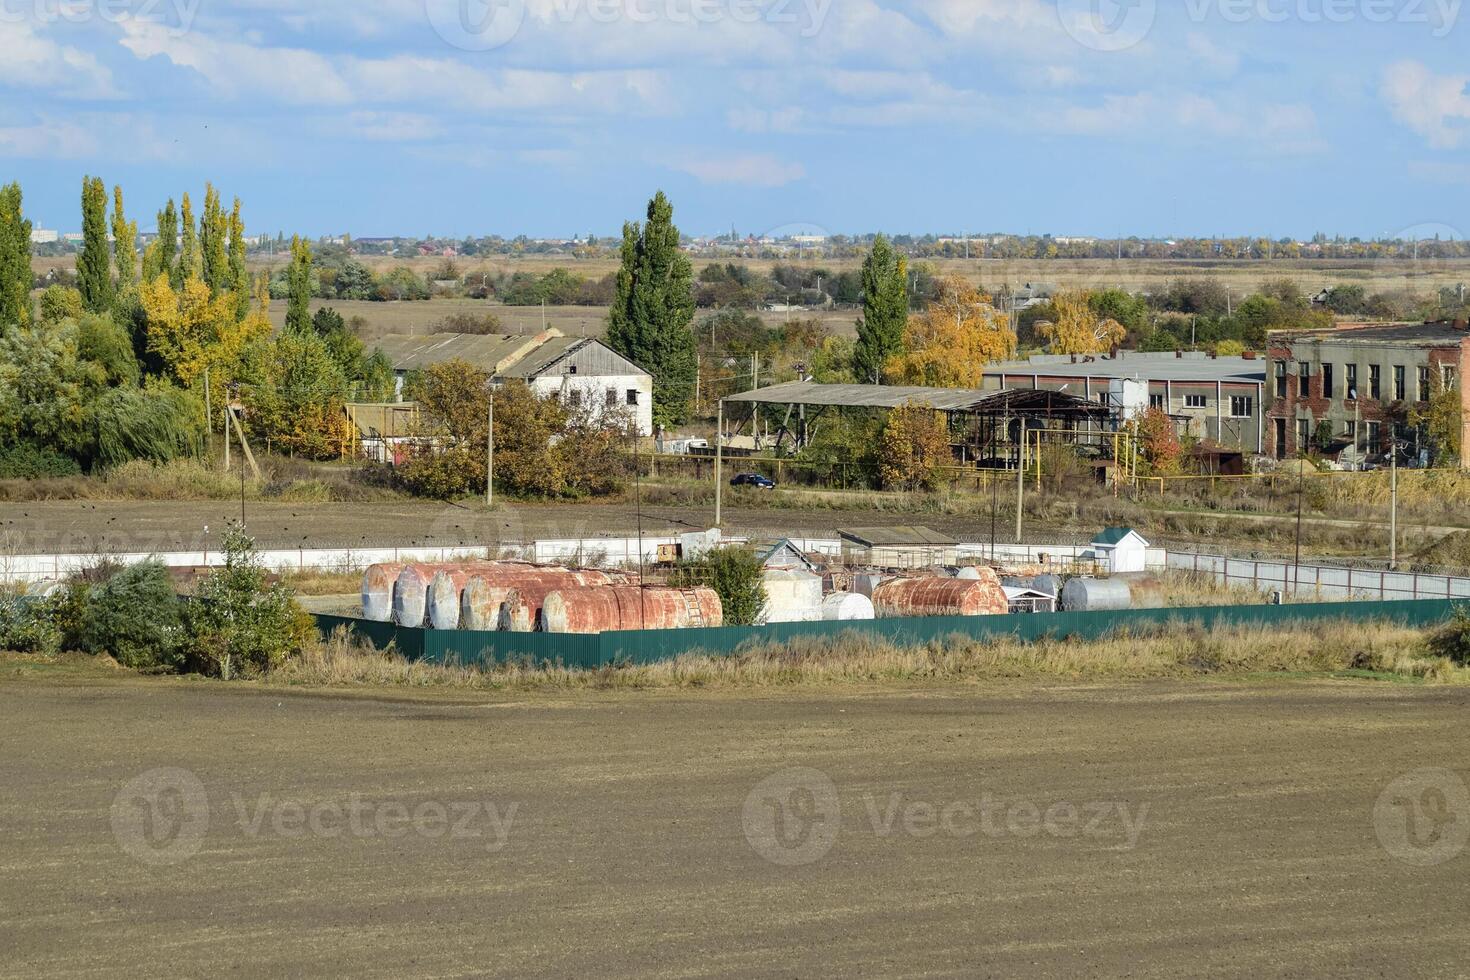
x,y
897,547
1222,399
578,371
1342,392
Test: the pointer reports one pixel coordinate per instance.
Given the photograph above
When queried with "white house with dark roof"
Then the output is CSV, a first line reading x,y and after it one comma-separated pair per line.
x,y
1121,549
579,371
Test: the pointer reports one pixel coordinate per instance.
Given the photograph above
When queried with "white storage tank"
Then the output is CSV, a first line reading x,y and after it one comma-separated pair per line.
x,y
1096,595
847,607
792,596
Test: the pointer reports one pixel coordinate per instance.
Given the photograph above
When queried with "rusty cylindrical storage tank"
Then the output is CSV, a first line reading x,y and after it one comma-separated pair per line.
x,y
411,589
443,603
485,593
377,591
941,597
618,608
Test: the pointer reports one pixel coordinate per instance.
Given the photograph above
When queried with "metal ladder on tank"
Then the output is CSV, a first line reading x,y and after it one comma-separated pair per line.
x,y
691,605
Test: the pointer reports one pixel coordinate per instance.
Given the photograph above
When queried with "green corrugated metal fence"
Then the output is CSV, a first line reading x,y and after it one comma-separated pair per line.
x,y
651,646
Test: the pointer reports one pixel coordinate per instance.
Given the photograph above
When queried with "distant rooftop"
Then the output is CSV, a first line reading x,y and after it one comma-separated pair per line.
x,y
1416,334
898,537
1193,366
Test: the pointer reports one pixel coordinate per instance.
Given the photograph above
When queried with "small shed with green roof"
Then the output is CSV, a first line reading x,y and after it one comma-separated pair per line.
x,y
1121,549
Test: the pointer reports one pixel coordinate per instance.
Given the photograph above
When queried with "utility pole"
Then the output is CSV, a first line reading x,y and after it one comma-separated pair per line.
x,y
490,455
1393,507
720,466
227,436
208,409
1301,487
1021,484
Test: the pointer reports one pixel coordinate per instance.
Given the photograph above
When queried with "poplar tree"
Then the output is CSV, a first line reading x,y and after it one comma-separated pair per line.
x,y
652,310
239,277
885,311
166,246
299,284
15,261
214,229
188,246
124,243
94,263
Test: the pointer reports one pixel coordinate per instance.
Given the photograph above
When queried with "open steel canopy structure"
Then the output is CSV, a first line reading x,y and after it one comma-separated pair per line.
x,y
987,419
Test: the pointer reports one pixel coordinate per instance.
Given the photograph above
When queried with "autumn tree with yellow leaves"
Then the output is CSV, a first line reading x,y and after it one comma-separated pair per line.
x,y
949,344
913,447
189,330
1077,329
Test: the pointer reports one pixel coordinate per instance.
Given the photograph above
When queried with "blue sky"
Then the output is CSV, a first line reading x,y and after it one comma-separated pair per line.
x,y
560,117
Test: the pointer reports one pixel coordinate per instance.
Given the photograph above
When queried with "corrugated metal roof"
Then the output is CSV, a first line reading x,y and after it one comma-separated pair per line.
x,y
505,355
489,352
864,396
1144,367
898,537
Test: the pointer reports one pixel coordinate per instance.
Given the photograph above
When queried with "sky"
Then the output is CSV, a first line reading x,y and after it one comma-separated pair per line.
x,y
562,117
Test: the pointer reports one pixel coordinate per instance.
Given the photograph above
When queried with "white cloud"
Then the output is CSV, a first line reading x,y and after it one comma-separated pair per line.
x,y
1280,127
751,170
393,127
47,140
290,75
1434,106
31,60
1211,55
785,119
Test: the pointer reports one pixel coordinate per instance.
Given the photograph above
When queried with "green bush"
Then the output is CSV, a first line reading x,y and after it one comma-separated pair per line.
x,y
1452,641
28,624
736,575
26,461
239,623
135,616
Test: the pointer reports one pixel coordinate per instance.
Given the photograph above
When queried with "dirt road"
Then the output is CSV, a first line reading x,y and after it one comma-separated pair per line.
x,y
1151,830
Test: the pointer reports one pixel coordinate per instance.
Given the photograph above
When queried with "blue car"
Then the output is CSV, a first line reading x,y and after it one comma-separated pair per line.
x,y
753,480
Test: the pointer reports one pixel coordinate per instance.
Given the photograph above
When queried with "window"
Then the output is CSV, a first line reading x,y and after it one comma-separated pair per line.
x,y
1303,435
1195,401
1280,379
612,398
633,397
1372,429
1400,385
1375,382
574,398
1424,393
1304,380
1352,382
1351,432
1156,401
1242,406
1449,377
1327,380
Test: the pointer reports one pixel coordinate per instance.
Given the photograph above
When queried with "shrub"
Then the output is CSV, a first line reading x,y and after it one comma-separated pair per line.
x,y
27,461
28,624
1452,641
240,623
736,575
135,616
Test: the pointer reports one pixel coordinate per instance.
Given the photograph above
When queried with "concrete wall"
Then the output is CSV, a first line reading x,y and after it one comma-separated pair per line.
x,y
593,391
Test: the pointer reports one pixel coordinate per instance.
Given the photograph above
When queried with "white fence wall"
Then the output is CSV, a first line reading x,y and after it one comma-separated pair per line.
x,y
1325,581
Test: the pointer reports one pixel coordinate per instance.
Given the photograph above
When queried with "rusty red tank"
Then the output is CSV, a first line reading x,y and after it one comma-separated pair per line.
x,y
377,591
444,597
486,593
616,608
411,588
934,596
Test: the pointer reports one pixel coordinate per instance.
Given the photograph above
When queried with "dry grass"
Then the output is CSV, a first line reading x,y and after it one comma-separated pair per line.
x,y
1181,652
287,481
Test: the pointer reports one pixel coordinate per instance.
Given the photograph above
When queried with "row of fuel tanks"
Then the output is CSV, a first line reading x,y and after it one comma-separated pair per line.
x,y
523,598
518,597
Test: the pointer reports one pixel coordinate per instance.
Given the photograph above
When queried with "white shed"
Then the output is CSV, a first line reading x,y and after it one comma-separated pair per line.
x,y
1121,549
